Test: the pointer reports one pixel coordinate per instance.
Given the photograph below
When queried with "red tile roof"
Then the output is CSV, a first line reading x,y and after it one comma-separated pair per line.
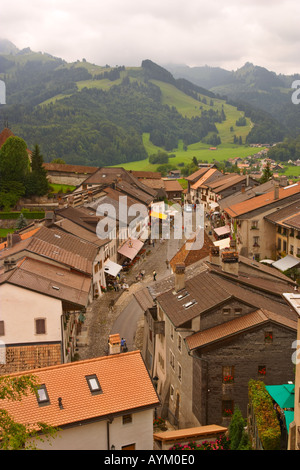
x,y
123,378
238,325
261,201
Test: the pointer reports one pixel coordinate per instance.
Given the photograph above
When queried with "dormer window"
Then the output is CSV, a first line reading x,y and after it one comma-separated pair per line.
x,y
42,396
93,384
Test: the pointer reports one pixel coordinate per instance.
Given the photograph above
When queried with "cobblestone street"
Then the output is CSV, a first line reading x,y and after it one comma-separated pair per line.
x,y
100,317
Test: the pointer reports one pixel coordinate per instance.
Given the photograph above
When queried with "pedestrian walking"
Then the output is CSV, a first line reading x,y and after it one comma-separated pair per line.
x,y
154,275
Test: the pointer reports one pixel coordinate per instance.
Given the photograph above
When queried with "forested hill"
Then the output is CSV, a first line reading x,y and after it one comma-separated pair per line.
x,y
92,115
250,85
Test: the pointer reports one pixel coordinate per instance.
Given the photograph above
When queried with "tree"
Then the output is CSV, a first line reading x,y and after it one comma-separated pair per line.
x,y
15,436
237,435
10,193
36,181
21,222
14,161
267,174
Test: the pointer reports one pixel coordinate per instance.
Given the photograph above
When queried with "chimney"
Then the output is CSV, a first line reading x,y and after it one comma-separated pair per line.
x,y
283,181
114,344
49,218
230,259
276,191
179,277
243,188
247,180
214,255
9,240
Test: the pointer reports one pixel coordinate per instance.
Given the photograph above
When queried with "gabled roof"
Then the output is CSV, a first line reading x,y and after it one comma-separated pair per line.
x,y
50,280
125,387
172,185
209,175
137,193
262,201
288,216
226,182
191,256
67,168
236,326
66,250
211,288
197,174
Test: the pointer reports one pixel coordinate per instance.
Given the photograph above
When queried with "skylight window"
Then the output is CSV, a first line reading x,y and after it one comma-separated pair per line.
x,y
189,304
42,395
93,384
183,295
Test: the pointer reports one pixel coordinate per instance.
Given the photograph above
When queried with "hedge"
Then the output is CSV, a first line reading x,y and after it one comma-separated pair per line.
x,y
16,215
266,419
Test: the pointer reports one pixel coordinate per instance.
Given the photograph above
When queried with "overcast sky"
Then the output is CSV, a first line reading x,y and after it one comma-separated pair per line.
x,y
192,32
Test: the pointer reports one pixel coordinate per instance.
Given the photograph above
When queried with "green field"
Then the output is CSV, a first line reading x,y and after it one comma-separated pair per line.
x,y
199,150
290,170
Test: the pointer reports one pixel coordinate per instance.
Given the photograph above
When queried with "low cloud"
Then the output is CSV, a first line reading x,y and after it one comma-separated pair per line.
x,y
191,32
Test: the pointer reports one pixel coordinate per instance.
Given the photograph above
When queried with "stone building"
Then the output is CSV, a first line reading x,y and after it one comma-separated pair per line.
x,y
213,332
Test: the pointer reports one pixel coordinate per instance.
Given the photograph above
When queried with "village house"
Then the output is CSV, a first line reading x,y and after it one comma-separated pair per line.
x,y
192,179
287,232
226,186
256,236
41,305
197,185
210,333
82,222
105,403
121,179
173,190
64,173
59,248
294,435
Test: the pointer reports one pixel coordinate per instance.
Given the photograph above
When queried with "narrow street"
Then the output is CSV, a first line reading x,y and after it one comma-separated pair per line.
x,y
102,320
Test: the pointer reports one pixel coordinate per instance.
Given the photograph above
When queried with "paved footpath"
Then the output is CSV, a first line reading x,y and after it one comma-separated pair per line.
x,y
100,318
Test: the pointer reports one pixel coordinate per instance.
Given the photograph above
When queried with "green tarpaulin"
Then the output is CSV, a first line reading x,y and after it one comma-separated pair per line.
x,y
284,395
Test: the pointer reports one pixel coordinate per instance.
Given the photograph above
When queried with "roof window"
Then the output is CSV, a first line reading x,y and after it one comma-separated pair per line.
x,y
93,384
183,295
42,395
189,304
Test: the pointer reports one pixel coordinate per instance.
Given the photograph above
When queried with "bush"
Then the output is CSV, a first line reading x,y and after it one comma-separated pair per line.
x,y
267,423
238,437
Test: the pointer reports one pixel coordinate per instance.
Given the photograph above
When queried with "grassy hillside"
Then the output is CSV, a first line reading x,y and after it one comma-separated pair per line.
x,y
199,150
74,112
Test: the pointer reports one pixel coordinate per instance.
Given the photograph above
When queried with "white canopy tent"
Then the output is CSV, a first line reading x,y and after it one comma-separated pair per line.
x,y
286,263
112,268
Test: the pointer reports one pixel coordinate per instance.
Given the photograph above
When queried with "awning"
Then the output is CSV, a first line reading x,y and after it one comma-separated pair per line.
x,y
225,243
213,205
285,263
267,261
289,418
131,248
158,215
112,268
222,230
284,395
